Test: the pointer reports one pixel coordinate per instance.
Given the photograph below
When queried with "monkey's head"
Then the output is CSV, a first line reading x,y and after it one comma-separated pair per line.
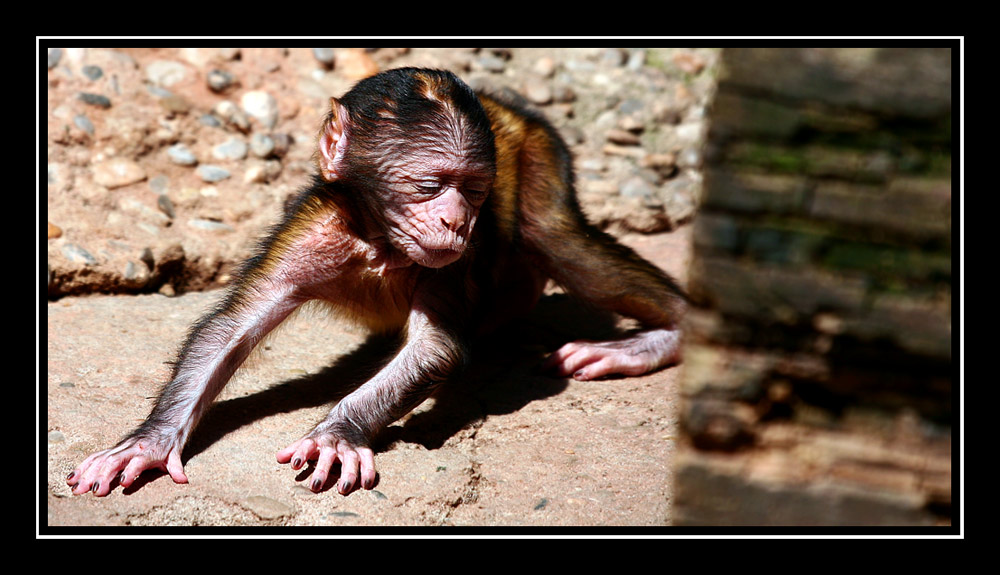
x,y
417,148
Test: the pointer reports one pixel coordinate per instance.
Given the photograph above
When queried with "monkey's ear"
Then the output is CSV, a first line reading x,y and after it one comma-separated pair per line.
x,y
333,141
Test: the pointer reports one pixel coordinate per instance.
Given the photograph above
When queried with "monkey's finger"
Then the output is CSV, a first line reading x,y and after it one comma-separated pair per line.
x,y
349,463
285,455
327,455
367,467
574,357
84,481
74,476
175,468
558,358
600,368
133,470
307,449
291,454
100,477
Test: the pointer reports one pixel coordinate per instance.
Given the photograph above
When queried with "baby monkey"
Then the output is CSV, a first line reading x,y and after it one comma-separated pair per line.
x,y
436,213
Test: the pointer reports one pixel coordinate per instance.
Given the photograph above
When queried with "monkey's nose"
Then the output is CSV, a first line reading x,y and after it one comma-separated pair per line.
x,y
450,224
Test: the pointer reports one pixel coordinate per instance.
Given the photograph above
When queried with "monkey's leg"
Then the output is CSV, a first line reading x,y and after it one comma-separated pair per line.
x,y
642,353
611,276
602,272
429,355
216,347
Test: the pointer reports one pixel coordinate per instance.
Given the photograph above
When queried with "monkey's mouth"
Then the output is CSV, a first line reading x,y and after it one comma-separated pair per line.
x,y
436,258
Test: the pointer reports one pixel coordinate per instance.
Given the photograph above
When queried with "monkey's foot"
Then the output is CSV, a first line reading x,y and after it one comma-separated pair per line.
x,y
325,449
644,352
125,462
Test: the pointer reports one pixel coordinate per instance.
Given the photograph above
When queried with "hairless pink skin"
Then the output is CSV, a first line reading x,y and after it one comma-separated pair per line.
x,y
394,260
645,352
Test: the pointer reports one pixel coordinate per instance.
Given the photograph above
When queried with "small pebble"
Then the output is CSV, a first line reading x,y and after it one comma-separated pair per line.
x,y
491,64
166,206
267,508
209,120
356,64
262,106
76,254
545,67
636,60
159,184
53,57
231,149
219,80
325,56
615,57
622,137
82,122
664,163
631,124
537,91
261,145
563,94
94,99
175,104
210,173
689,62
690,158
165,73
131,271
182,155
234,116
118,172
92,72
262,172
282,142
210,225
637,187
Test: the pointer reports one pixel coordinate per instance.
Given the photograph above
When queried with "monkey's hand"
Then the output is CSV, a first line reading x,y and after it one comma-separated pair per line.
x,y
644,352
326,447
124,463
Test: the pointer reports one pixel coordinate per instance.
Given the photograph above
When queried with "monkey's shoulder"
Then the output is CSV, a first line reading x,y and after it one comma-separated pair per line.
x,y
513,120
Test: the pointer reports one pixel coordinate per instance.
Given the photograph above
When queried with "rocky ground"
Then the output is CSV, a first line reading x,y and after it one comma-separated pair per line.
x,y
164,165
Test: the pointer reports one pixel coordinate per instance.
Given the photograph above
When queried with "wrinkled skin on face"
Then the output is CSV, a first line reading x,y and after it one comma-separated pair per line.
x,y
431,208
422,166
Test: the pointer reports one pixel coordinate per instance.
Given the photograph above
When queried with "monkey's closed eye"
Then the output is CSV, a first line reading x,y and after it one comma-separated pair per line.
x,y
476,194
429,188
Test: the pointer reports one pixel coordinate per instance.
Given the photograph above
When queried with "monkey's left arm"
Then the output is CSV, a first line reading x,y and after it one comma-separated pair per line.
x,y
433,350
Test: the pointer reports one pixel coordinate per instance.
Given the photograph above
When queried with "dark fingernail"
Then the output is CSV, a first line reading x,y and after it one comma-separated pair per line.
x,y
369,484
316,484
96,486
296,463
121,478
71,474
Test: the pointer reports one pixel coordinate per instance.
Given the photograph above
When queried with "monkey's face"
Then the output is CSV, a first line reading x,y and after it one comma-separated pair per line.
x,y
417,148
431,213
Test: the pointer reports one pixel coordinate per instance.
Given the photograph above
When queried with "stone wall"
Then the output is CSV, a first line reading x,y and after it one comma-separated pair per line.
x,y
818,376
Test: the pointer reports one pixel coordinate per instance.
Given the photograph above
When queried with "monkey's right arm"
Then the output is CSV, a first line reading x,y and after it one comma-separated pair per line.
x,y
266,290
433,351
215,348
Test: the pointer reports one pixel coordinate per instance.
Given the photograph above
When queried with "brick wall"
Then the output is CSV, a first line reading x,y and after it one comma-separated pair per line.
x,y
817,377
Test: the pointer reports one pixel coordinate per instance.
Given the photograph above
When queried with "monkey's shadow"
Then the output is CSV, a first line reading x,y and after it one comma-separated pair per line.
x,y
504,376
